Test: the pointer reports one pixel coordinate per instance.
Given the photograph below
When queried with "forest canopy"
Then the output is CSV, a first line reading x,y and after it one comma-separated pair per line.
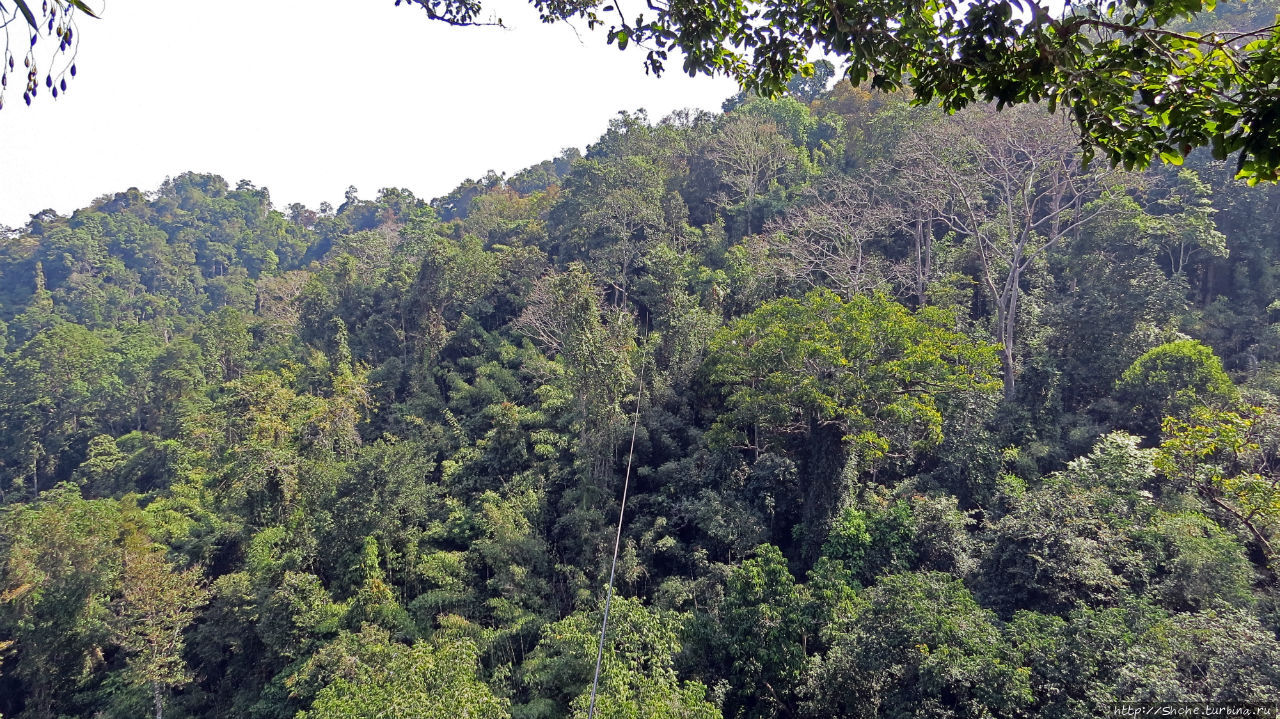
x,y
931,419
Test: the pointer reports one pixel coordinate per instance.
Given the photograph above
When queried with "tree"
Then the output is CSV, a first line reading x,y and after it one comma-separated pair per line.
x,y
1054,549
1214,655
452,278
1015,189
1064,542
1184,228
1170,381
1198,563
375,603
56,393
638,677
751,155
225,340
59,568
862,382
157,604
612,211
917,646
825,241
805,88
594,344
367,675
765,630
1228,460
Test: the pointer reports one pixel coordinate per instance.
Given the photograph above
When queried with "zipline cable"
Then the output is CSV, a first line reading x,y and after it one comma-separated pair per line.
x,y
617,540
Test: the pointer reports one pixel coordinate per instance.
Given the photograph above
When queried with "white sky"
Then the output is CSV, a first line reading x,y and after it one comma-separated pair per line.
x,y
306,98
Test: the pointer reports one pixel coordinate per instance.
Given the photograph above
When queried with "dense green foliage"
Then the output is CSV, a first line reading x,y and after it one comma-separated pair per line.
x,y
933,421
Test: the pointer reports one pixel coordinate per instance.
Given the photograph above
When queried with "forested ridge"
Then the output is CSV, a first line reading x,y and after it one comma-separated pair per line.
x,y
934,420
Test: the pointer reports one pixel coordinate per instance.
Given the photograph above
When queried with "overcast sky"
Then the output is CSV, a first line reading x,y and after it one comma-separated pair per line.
x,y
306,98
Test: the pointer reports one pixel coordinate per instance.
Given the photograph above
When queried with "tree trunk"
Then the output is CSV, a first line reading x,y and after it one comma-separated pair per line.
x,y
823,489
157,696
1006,302
916,234
1008,324
1007,368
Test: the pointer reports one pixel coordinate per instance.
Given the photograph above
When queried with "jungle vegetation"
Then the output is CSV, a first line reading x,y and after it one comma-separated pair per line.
x,y
934,420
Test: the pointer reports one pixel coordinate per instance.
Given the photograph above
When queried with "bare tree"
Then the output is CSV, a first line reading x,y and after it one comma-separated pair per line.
x,y
824,240
547,316
750,155
1015,186
278,299
910,182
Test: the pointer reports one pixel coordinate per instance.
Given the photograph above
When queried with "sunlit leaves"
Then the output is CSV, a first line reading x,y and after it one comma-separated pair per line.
x,y
1225,457
369,675
867,366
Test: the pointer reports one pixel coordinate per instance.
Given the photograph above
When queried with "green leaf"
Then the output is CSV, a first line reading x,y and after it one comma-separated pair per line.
x,y
26,12
79,5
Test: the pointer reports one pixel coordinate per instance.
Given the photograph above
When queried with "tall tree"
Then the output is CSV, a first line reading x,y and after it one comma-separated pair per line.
x,y
638,678
56,395
157,604
827,239
862,382
594,345
1016,187
59,568
751,155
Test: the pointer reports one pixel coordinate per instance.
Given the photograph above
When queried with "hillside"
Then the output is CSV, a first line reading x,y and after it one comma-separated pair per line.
x,y
932,420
